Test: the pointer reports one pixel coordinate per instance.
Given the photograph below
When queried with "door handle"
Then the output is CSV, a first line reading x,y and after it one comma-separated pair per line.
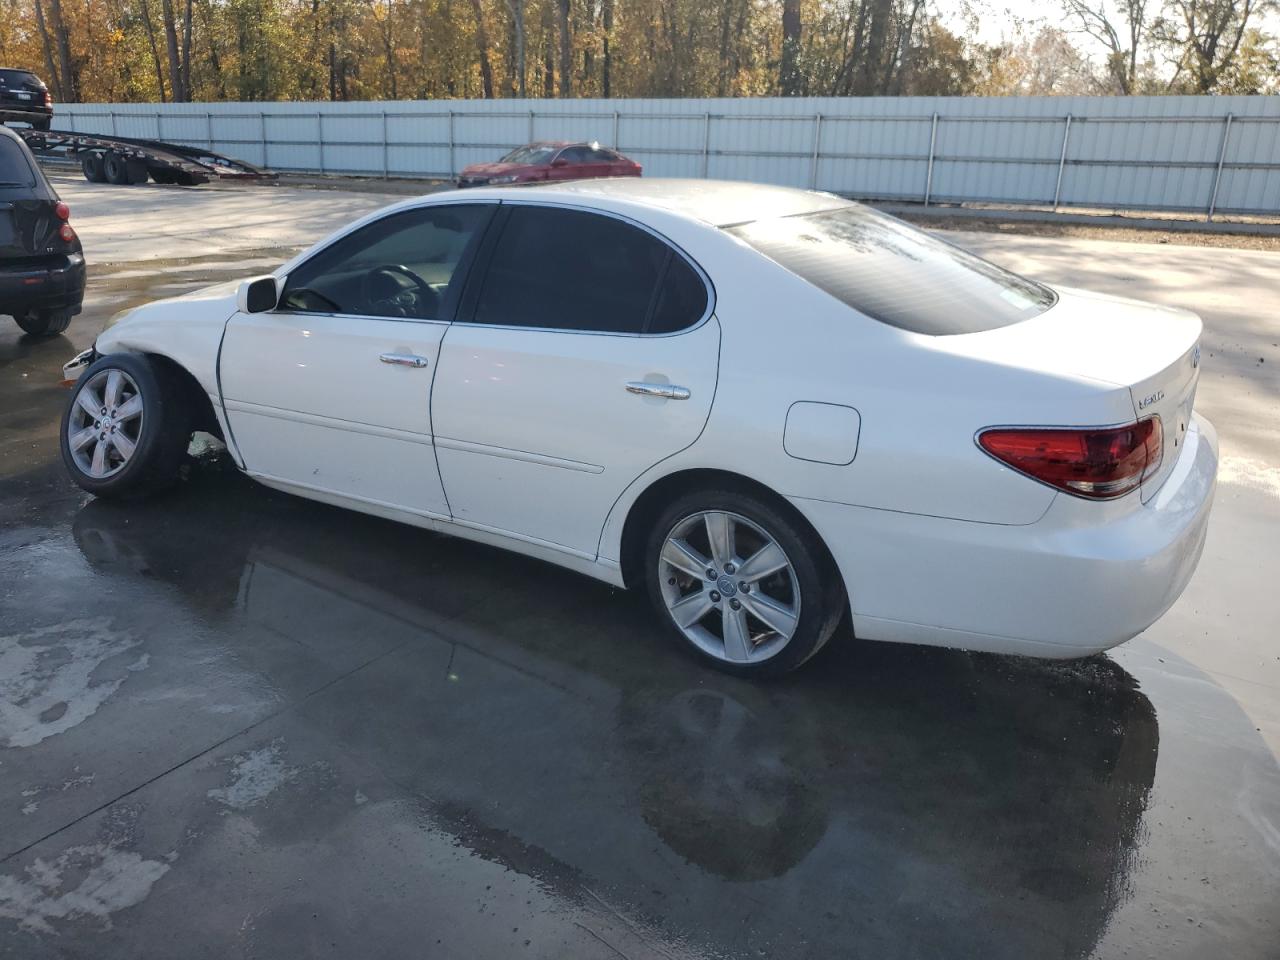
x,y
404,359
667,391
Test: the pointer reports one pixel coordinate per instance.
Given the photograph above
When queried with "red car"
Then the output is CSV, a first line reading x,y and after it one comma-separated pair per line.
x,y
550,160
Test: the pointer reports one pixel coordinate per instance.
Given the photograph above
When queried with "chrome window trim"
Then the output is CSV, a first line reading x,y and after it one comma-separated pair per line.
x,y
707,314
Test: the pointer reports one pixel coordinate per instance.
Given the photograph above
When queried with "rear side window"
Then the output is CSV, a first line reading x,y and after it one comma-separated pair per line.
x,y
682,300
15,168
901,276
570,270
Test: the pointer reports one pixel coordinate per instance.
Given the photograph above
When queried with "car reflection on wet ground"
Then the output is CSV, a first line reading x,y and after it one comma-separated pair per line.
x,y
236,723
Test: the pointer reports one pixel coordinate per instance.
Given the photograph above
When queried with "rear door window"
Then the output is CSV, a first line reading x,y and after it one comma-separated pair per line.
x,y
896,274
572,270
15,168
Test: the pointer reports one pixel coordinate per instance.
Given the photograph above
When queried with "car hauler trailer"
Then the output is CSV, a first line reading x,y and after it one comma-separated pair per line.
x,y
125,160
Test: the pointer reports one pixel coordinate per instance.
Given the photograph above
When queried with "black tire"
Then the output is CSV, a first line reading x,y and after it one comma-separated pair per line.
x,y
116,169
92,167
822,595
44,323
163,437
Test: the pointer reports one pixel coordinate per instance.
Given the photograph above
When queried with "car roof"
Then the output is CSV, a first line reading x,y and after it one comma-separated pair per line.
x,y
6,132
720,203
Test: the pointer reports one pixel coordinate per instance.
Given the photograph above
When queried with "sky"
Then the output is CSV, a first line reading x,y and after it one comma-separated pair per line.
x,y
992,21
995,19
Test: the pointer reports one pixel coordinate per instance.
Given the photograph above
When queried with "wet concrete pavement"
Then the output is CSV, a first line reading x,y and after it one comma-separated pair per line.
x,y
235,723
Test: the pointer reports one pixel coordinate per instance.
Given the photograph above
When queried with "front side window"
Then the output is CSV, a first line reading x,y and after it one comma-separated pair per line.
x,y
571,270
401,266
896,274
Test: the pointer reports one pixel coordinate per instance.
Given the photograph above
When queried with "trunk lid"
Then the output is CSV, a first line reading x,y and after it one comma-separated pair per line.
x,y
28,230
1151,351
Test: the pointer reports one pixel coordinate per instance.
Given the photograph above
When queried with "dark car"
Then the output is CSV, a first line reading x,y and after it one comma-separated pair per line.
x,y
41,262
25,98
550,160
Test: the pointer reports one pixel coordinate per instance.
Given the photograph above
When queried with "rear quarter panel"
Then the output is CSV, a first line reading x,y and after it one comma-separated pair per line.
x,y
920,405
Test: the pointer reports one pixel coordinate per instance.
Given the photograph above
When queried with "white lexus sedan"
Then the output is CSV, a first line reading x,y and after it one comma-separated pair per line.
x,y
769,408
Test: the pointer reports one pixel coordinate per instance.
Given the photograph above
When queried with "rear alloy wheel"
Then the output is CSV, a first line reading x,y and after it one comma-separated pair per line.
x,y
44,323
125,432
742,584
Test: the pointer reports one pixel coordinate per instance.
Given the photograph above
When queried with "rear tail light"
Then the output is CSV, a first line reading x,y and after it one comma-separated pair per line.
x,y
1097,463
48,99
62,211
66,233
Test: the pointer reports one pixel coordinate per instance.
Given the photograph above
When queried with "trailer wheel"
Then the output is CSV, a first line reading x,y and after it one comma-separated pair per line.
x,y
91,166
137,170
116,169
161,174
184,179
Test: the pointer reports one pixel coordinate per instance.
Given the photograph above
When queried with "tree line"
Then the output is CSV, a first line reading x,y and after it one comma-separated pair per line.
x,y
200,50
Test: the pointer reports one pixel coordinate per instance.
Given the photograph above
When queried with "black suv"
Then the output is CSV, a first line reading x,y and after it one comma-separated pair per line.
x,y
25,98
41,262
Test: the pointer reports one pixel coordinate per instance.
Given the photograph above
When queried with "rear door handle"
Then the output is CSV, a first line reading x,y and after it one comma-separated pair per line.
x,y
404,359
667,391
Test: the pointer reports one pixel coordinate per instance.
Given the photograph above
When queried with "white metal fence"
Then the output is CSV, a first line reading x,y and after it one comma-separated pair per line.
x,y
1205,154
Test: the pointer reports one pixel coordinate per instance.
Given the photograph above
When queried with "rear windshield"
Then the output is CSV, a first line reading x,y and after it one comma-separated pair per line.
x,y
18,78
899,275
15,169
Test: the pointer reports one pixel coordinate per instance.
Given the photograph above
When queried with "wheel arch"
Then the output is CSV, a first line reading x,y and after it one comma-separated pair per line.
x,y
645,508
189,388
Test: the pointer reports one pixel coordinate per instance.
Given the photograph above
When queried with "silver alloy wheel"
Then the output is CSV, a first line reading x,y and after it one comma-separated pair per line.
x,y
729,587
106,422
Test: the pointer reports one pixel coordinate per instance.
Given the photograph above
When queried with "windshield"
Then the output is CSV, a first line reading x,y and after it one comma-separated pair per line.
x,y
896,274
531,154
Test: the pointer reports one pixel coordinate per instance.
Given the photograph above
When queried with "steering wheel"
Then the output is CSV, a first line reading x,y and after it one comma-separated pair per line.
x,y
423,302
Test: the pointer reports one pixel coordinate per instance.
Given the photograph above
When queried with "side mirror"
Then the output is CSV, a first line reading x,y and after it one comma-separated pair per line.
x,y
257,295
559,162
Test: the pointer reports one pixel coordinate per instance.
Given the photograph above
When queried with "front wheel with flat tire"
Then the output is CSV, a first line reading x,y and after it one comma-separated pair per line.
x,y
125,432
742,582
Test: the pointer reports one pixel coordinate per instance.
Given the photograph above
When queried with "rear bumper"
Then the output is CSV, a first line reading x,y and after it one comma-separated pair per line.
x,y
59,286
1083,578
